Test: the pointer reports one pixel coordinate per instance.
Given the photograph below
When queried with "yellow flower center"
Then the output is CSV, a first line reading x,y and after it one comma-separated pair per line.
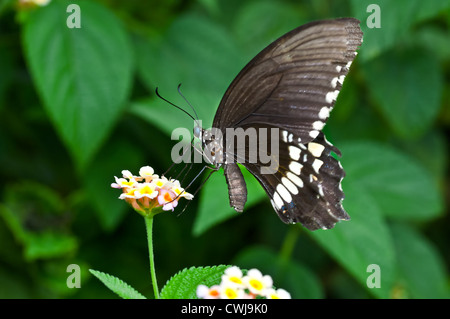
x,y
231,293
256,284
130,183
146,190
160,183
236,280
131,191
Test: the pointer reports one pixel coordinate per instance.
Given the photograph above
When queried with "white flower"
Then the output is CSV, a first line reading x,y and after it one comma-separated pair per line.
x,y
230,291
146,190
208,293
127,174
256,283
233,276
161,182
146,171
236,286
277,294
122,183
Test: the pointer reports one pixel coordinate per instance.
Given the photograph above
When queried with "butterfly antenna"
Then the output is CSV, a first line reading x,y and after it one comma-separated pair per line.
x,y
193,109
157,93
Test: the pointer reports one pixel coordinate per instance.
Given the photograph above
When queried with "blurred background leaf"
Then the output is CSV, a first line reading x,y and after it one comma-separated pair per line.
x,y
421,269
77,106
397,75
83,75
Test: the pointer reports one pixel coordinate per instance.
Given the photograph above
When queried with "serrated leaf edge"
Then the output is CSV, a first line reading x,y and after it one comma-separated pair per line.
x,y
112,282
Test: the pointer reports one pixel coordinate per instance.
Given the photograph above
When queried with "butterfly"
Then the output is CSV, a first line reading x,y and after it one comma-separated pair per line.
x,y
290,88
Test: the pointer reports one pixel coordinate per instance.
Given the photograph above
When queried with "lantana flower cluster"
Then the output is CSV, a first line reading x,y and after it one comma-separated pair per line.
x,y
32,3
148,191
235,285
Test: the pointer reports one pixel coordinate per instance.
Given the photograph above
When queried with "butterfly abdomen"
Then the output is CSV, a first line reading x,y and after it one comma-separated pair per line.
x,y
236,186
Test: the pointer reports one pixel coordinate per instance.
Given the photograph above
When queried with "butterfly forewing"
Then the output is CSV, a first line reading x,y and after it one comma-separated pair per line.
x,y
294,82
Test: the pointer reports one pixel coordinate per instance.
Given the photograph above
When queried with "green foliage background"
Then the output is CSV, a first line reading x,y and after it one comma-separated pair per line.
x,y
78,105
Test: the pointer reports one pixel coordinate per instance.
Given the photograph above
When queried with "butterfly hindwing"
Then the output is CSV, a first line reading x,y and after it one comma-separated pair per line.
x,y
306,188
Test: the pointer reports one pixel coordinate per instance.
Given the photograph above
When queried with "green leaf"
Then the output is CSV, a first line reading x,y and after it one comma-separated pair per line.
x,y
35,215
407,86
292,276
400,187
362,241
379,182
421,269
397,19
119,287
263,22
434,142
157,112
434,39
83,75
184,284
99,176
48,244
196,52
214,204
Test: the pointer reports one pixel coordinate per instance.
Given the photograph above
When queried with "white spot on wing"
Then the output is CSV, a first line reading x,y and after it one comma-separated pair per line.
x,y
334,82
317,164
289,185
297,180
331,96
318,125
285,134
277,200
284,193
320,188
314,133
324,113
294,152
295,167
315,149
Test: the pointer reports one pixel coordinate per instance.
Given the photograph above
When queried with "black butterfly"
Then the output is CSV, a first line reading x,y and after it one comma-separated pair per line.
x,y
291,85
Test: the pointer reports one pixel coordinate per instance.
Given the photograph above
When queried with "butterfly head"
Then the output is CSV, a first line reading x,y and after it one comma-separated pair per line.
x,y
211,144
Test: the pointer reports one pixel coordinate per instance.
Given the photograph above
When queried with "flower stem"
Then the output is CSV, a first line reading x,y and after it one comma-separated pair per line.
x,y
149,226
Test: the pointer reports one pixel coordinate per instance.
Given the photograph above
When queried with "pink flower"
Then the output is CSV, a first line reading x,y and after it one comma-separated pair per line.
x,y
168,199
